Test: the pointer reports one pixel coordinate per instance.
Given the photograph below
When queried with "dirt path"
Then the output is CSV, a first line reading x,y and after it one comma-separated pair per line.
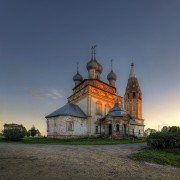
x,y
25,161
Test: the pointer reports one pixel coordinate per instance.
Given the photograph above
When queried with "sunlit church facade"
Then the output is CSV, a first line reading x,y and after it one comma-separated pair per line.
x,y
95,108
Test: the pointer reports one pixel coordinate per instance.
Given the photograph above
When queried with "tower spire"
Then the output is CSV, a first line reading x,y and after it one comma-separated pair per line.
x,y
132,71
132,58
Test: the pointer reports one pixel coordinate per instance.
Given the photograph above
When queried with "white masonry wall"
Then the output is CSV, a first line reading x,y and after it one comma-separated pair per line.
x,y
57,127
138,130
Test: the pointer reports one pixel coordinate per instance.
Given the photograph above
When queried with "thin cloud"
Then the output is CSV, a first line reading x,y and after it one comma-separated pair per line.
x,y
54,94
34,93
40,94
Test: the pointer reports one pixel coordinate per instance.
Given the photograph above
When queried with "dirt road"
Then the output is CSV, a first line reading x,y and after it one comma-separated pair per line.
x,y
25,161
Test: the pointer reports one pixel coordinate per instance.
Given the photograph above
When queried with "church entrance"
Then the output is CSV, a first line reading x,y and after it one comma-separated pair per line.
x,y
110,129
125,129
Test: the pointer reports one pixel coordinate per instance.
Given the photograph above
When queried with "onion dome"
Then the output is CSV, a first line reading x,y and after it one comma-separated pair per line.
x,y
111,76
100,68
92,64
77,77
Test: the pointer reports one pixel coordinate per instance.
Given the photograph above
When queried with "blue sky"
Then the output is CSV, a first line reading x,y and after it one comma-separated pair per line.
x,y
41,41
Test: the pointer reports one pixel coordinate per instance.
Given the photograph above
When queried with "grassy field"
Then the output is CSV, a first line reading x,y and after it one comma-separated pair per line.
x,y
166,157
84,141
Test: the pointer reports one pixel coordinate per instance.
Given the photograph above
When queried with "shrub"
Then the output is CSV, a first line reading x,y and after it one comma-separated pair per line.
x,y
161,140
174,129
13,134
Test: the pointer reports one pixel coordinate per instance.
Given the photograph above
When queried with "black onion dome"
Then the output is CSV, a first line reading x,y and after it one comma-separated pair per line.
x,y
77,77
111,76
92,64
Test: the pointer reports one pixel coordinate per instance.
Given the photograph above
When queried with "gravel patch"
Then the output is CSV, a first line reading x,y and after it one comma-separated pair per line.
x,y
37,161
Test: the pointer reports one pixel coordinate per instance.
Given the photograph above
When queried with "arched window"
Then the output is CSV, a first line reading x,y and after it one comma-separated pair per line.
x,y
70,126
117,127
98,108
134,95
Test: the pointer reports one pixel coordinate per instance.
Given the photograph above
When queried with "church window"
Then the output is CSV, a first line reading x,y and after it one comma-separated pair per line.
x,y
128,95
134,95
70,126
139,132
98,108
117,127
96,129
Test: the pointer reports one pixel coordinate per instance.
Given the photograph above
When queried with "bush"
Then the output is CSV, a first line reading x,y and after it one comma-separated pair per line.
x,y
161,140
13,134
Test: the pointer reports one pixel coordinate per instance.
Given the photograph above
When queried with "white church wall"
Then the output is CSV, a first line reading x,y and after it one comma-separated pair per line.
x,y
95,116
136,130
82,103
58,127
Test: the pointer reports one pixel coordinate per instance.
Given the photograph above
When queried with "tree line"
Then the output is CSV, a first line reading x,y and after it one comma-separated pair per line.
x,y
167,138
16,134
165,129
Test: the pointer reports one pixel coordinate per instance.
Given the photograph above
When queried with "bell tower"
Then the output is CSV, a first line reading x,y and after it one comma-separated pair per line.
x,y
133,96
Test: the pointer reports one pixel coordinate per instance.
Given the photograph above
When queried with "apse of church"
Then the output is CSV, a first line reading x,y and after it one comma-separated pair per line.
x,y
92,109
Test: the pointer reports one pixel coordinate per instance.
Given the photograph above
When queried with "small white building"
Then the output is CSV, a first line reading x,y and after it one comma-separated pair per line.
x,y
95,109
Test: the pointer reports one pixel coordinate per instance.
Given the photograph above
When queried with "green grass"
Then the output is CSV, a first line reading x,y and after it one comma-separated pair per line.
x,y
166,157
83,141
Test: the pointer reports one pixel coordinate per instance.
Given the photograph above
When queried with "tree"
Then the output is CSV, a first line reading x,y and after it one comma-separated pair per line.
x,y
165,129
14,134
38,132
174,129
24,130
149,131
33,132
29,133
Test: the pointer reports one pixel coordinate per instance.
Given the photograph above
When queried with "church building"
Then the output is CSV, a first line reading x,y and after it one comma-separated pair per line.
x,y
95,109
